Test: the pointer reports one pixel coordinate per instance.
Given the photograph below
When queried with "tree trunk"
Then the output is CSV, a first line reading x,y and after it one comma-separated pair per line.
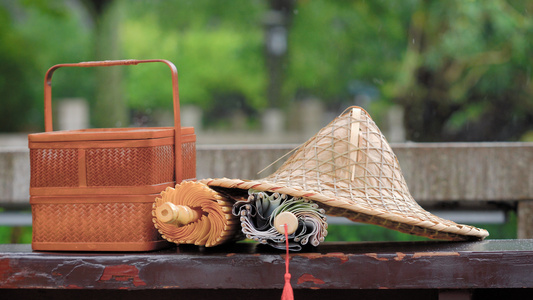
x,y
109,108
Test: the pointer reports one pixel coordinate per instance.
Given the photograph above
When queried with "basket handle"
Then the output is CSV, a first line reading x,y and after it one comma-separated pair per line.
x,y
107,63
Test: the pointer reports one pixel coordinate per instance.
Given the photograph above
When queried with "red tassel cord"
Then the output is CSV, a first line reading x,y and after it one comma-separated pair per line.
x,y
287,289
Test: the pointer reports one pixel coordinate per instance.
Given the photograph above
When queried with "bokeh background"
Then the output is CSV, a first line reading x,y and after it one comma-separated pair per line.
x,y
275,71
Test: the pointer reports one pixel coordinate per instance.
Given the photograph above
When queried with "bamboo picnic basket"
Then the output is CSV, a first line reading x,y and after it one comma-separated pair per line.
x,y
93,189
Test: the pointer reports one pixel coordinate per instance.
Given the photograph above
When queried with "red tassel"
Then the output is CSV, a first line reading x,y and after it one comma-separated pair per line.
x,y
287,289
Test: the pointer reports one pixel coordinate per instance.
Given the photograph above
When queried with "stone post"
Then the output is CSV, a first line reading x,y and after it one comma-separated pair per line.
x,y
72,114
525,219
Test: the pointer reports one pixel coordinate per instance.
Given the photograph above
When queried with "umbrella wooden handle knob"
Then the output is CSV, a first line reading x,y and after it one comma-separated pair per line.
x,y
286,218
176,214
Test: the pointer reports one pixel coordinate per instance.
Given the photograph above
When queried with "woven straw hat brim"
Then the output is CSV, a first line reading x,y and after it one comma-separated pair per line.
x,y
432,226
349,169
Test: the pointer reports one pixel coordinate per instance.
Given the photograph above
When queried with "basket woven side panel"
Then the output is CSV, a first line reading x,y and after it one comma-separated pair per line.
x,y
93,222
54,167
130,166
188,151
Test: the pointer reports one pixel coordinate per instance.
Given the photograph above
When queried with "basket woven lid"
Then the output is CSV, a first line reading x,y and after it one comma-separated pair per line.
x,y
350,170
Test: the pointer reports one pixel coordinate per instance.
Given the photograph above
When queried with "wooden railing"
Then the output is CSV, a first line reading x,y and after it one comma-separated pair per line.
x,y
490,269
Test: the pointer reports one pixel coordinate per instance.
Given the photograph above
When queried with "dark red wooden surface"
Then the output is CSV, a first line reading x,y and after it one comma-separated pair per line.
x,y
346,268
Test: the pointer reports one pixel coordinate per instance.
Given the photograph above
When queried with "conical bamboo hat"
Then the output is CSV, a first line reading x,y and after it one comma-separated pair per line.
x,y
349,169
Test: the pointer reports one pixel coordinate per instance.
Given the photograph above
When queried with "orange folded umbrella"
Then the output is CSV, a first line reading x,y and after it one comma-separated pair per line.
x,y
193,213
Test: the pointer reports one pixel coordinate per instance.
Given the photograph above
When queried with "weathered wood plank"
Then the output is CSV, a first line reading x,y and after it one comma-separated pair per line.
x,y
448,172
239,161
391,265
434,172
468,171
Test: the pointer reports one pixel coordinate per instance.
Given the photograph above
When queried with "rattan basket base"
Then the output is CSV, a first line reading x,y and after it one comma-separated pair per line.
x,y
94,223
108,247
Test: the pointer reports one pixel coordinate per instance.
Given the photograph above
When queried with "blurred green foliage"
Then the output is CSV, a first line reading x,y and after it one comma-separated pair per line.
x,y
214,55
461,69
364,232
334,44
34,35
467,71
15,235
